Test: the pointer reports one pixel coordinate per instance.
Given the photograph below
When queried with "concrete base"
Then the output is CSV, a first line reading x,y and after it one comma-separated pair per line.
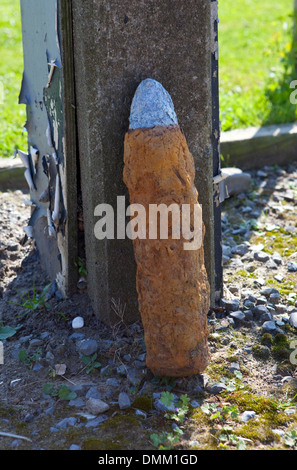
x,y
256,147
12,174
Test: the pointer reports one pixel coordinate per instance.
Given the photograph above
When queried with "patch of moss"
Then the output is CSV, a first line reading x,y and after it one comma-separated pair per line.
x,y
261,352
250,401
285,368
281,347
257,430
143,403
6,413
92,443
266,339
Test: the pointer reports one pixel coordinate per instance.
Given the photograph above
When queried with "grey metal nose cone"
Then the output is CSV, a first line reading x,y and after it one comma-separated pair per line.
x,y
151,106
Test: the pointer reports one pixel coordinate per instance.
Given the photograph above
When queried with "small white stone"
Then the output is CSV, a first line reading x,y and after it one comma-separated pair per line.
x,y
77,322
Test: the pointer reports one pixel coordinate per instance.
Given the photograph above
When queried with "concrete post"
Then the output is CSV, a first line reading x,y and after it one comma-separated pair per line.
x,y
117,45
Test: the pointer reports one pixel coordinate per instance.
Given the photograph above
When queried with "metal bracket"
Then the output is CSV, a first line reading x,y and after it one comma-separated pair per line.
x,y
220,188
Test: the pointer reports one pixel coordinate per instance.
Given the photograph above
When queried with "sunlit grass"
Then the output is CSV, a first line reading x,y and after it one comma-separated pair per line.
x,y
255,40
12,115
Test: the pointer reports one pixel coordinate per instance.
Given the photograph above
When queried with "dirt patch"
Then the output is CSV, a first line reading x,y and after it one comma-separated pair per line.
x,y
45,406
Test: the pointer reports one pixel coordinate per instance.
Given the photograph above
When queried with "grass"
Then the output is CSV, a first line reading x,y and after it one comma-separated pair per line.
x,y
12,115
256,60
256,67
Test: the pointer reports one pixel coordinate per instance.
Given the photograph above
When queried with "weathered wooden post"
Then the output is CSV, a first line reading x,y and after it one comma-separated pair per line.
x,y
83,64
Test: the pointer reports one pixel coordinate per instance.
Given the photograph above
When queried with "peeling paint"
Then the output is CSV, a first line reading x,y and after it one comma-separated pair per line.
x,y
56,212
42,83
29,180
50,225
29,231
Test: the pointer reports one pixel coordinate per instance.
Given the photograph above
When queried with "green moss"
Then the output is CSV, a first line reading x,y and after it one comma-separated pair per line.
x,y
120,421
281,347
285,368
261,352
92,443
250,401
6,413
143,403
266,339
258,430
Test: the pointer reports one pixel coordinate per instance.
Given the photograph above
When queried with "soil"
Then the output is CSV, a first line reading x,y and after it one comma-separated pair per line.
x,y
44,338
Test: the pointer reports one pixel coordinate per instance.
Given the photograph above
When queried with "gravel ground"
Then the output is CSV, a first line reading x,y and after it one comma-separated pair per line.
x,y
88,388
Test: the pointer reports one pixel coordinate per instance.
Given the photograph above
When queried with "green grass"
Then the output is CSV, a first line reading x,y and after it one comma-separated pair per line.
x,y
256,67
12,115
256,62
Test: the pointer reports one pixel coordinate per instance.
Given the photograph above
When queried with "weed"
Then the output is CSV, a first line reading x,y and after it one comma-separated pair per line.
x,y
168,440
7,331
82,270
33,302
61,392
29,359
91,363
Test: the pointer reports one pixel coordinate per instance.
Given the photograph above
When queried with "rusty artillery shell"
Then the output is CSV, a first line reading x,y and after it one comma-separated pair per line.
x,y
171,281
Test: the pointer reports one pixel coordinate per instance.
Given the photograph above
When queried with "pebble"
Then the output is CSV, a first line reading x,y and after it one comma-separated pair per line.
x,y
93,423
261,256
230,305
78,322
292,267
241,249
293,319
112,382
247,415
87,347
77,403
217,388
96,406
124,401
66,422
141,413
271,264
274,297
261,313
93,392
276,257
269,326
234,366
267,291
238,316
